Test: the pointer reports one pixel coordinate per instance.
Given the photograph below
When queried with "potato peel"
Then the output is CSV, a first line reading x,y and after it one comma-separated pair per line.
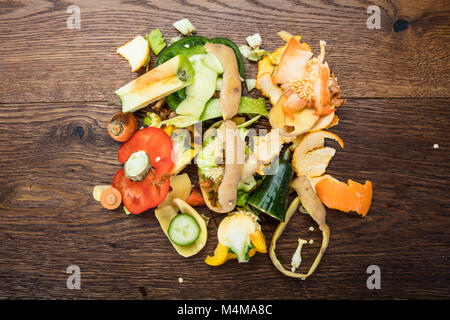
x,y
316,210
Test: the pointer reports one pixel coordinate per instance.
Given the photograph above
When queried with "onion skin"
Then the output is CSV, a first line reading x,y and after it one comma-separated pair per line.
x,y
122,126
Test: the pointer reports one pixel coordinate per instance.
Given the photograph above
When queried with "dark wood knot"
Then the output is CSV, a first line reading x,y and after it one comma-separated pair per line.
x,y
78,131
400,25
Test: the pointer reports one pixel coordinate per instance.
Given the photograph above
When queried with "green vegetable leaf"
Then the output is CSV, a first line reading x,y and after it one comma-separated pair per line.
x,y
247,184
156,41
256,54
242,198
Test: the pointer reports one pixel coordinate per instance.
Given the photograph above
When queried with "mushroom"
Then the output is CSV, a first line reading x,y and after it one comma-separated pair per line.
x,y
230,94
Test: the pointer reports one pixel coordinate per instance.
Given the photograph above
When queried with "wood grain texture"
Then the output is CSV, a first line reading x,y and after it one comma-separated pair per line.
x,y
55,89
49,219
56,64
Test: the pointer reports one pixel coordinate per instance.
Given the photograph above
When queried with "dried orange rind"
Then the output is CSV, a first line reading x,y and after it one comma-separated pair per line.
x,y
350,196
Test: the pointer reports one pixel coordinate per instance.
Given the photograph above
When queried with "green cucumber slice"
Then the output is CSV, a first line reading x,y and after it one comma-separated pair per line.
x,y
183,230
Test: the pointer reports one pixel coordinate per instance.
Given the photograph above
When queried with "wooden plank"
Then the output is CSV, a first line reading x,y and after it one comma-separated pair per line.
x,y
42,60
51,155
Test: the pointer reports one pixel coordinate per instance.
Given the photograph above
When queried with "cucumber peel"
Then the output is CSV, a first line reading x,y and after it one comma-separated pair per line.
x,y
212,110
189,46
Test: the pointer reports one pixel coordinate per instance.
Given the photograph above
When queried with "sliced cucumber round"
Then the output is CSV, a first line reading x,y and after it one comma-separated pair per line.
x,y
183,230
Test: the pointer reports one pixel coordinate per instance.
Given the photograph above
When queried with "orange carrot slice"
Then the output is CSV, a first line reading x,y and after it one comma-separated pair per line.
x,y
111,198
350,196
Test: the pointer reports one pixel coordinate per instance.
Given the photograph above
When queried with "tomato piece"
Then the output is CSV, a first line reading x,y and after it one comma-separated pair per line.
x,y
139,196
156,143
196,198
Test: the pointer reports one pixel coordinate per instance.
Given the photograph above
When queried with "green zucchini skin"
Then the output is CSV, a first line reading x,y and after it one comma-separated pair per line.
x,y
271,197
190,46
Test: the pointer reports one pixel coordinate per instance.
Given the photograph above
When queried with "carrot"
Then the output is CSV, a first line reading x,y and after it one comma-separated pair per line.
x,y
122,126
111,198
196,198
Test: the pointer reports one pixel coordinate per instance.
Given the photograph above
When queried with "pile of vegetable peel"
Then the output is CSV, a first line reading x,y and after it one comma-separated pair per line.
x,y
197,81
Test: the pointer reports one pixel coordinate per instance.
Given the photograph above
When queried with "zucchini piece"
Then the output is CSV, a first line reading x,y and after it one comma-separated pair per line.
x,y
272,195
203,87
183,230
159,82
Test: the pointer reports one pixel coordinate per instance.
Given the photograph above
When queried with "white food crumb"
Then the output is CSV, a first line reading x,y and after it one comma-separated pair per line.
x,y
180,280
311,228
311,241
245,50
435,146
250,83
184,26
254,41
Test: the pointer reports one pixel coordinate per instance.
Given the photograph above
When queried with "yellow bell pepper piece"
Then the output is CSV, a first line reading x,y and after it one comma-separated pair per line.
x,y
264,66
220,256
257,239
152,119
168,129
251,253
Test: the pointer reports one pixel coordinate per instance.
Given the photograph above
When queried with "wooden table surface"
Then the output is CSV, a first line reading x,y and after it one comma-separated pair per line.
x,y
56,96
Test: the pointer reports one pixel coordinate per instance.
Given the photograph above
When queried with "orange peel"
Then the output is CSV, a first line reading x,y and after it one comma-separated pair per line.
x,y
346,197
310,157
